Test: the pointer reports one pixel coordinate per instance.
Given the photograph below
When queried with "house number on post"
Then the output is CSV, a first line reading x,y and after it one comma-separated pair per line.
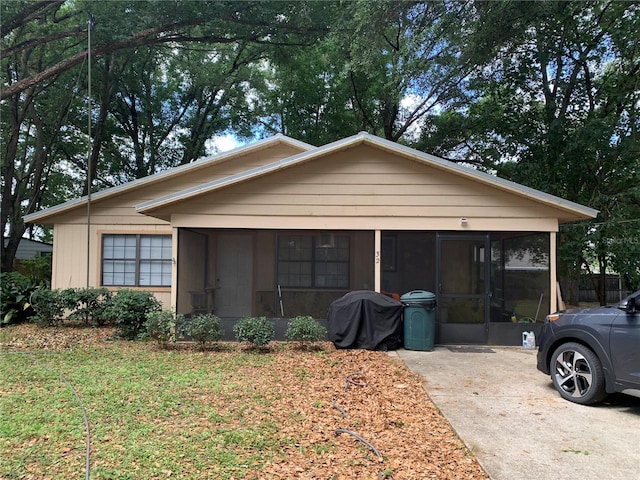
x,y
377,257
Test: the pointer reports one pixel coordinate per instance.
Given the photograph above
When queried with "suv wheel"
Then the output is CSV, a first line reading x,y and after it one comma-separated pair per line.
x,y
577,374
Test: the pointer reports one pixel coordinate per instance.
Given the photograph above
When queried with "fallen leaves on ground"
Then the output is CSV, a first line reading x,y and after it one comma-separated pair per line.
x,y
336,414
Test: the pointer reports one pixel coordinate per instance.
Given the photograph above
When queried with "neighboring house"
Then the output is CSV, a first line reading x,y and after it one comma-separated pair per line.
x,y
280,228
29,249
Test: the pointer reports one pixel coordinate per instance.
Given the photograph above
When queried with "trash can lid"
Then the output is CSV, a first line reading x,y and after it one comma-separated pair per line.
x,y
417,295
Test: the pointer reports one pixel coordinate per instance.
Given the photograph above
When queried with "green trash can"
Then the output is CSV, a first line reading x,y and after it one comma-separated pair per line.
x,y
419,320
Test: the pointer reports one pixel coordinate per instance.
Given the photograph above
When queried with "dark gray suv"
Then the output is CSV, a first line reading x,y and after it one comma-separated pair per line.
x,y
592,352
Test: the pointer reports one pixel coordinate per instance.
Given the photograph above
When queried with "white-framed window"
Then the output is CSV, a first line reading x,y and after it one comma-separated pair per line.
x,y
313,261
136,260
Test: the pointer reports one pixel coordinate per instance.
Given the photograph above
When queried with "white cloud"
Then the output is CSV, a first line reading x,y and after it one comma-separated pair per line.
x,y
222,143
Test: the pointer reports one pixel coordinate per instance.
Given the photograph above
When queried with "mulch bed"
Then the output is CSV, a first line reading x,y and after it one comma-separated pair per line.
x,y
344,414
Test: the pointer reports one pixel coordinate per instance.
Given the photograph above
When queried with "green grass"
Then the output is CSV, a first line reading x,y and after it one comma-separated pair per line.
x,y
225,413
152,414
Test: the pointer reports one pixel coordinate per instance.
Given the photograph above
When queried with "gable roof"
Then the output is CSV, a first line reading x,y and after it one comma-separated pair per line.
x,y
164,175
574,210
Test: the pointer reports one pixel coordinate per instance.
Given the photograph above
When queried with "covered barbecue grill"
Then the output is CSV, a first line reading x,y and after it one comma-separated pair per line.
x,y
365,319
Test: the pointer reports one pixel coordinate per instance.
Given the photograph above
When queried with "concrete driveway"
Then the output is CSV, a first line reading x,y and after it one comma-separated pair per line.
x,y
513,420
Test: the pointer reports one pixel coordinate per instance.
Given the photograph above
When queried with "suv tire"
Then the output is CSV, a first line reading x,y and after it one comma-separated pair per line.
x,y
576,372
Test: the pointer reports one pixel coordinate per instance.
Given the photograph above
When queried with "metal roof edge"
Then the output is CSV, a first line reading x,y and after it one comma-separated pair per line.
x,y
156,177
60,208
30,240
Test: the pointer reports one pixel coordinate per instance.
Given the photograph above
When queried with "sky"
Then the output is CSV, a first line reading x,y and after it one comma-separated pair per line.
x,y
222,143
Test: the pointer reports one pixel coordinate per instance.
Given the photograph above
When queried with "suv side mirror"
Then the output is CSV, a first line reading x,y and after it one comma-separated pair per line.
x,y
633,305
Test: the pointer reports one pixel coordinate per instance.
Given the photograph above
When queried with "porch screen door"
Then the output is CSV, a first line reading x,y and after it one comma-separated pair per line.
x,y
234,275
463,289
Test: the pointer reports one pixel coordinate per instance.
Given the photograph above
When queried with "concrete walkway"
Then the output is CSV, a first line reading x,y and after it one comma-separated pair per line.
x,y
512,419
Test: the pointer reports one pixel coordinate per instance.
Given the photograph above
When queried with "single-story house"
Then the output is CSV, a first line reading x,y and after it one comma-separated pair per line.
x,y
29,249
280,228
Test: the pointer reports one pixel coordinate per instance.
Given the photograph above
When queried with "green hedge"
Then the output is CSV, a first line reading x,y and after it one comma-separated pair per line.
x,y
305,330
256,331
204,328
129,310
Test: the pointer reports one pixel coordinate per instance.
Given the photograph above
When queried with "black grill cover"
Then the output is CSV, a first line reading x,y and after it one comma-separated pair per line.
x,y
365,319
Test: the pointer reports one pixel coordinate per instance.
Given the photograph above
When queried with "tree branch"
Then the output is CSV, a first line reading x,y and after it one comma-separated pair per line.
x,y
35,42
28,14
152,36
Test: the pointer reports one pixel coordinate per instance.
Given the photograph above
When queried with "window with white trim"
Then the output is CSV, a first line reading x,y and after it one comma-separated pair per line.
x,y
313,261
136,260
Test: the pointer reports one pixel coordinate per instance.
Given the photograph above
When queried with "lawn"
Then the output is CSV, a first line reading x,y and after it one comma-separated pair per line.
x,y
226,413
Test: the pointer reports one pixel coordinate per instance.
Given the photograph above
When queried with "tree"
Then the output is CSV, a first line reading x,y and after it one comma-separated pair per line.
x,y
384,68
152,22
44,48
403,66
553,105
303,94
34,123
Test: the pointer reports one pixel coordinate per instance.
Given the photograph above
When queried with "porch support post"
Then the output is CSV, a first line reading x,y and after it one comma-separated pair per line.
x,y
377,261
174,268
552,273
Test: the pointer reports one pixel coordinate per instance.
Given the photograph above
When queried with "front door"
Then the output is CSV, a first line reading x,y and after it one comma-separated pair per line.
x,y
462,289
234,275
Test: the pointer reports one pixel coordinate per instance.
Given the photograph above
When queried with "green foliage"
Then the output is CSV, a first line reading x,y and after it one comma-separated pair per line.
x,y
257,331
48,306
129,310
15,290
555,108
86,304
38,268
204,328
145,120
305,330
161,326
542,93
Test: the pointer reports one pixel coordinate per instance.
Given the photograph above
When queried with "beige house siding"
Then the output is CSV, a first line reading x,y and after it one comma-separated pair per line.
x,y
116,214
119,209
69,266
364,223
214,171
362,188
70,258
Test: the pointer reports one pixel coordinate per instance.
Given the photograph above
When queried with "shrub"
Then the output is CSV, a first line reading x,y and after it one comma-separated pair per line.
x,y
305,330
205,328
257,331
48,307
129,309
161,326
86,304
38,268
15,291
